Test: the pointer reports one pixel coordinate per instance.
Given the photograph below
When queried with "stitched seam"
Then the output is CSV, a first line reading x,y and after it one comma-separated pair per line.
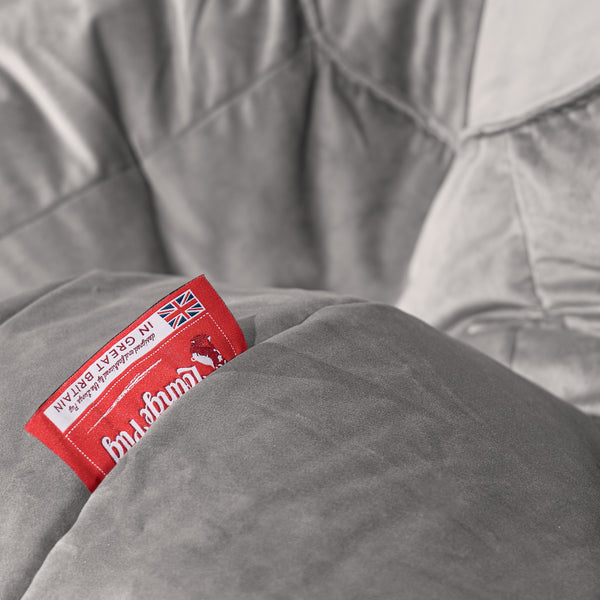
x,y
139,159
467,107
86,456
519,205
223,334
426,122
575,100
74,195
513,348
233,99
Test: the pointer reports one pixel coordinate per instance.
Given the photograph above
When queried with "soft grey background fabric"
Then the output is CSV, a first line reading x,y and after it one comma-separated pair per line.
x,y
263,143
302,144
509,256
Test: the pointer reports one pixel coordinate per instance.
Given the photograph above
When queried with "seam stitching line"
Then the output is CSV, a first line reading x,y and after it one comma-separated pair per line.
x,y
522,221
576,100
513,347
469,87
138,159
426,122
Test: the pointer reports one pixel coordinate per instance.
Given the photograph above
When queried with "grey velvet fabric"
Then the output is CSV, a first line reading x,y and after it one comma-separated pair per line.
x,y
400,152
45,337
509,258
351,452
511,79
263,143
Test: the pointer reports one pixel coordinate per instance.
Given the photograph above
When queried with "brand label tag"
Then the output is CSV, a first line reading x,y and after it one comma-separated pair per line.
x,y
104,409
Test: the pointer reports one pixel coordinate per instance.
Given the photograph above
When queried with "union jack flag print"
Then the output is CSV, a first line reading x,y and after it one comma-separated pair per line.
x,y
181,309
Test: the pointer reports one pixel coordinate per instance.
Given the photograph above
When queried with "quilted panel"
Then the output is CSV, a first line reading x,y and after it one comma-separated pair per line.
x,y
269,156
351,452
512,244
109,225
421,52
308,180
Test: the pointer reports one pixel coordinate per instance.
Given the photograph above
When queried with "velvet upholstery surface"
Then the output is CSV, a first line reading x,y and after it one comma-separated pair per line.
x,y
253,141
509,258
351,452
332,166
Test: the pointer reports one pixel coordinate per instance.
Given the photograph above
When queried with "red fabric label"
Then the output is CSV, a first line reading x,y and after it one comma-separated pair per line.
x,y
104,409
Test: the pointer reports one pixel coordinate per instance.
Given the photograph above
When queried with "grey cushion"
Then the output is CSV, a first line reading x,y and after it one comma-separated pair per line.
x,y
351,452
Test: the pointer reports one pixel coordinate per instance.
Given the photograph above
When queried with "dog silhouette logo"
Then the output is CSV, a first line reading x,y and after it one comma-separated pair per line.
x,y
204,352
